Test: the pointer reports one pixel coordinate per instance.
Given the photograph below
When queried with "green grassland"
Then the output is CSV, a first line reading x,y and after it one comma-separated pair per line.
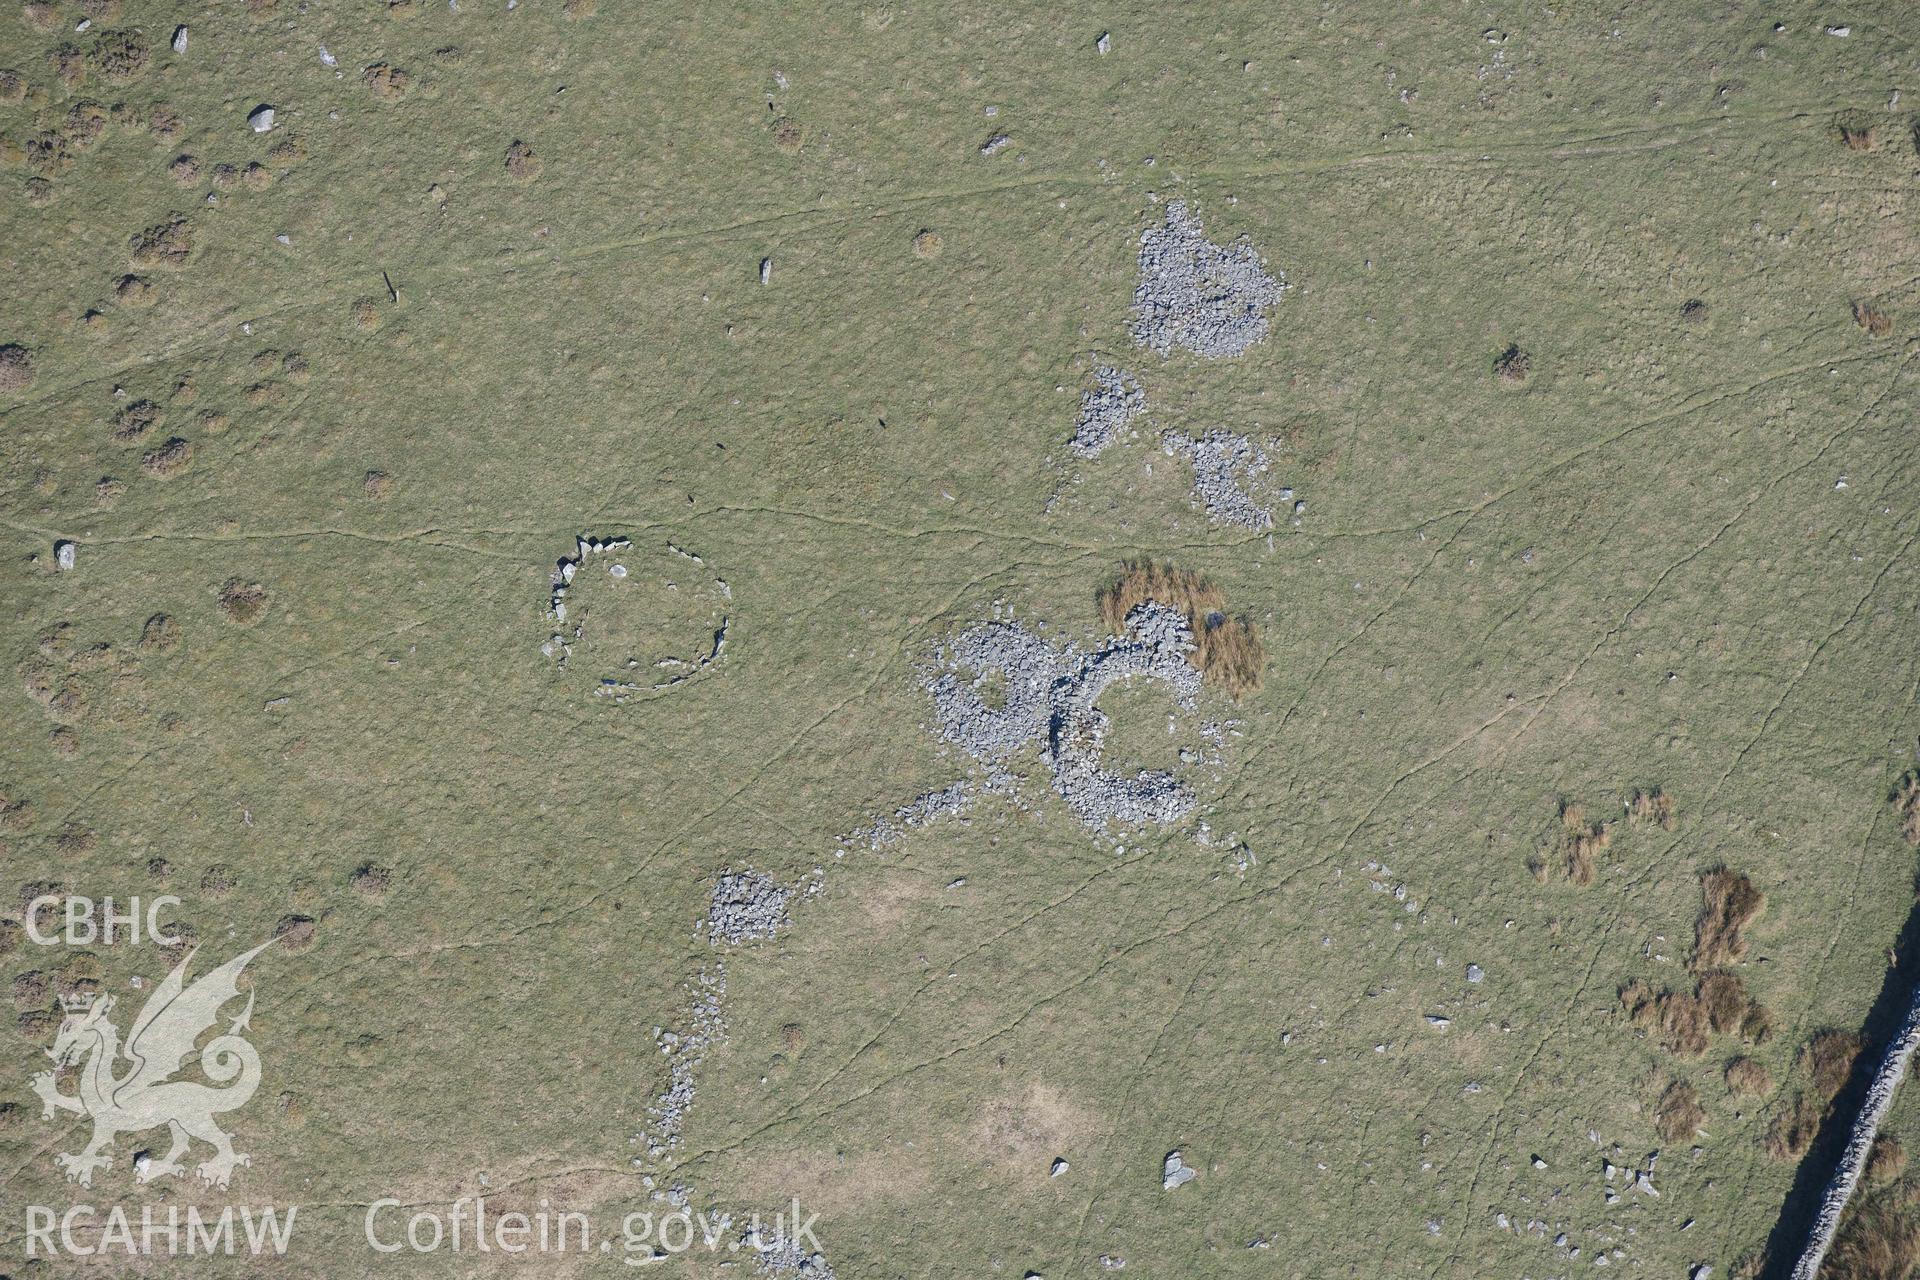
x,y
1633,569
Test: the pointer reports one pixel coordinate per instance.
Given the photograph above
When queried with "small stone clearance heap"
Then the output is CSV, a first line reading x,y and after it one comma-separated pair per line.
x,y
1106,411
1211,299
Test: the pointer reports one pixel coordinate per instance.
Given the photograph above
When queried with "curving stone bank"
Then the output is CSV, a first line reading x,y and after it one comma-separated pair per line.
x,y
1866,1127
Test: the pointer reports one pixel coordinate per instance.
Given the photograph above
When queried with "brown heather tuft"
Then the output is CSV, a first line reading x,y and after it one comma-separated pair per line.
x,y
169,460
243,602
1513,365
16,367
1879,1238
1747,1078
1577,841
1906,800
296,932
1859,138
1681,1020
1677,1019
136,420
1887,1161
1679,1115
119,55
1793,1130
522,164
372,880
164,244
1725,999
1731,903
1875,321
1828,1061
387,83
1654,806
161,634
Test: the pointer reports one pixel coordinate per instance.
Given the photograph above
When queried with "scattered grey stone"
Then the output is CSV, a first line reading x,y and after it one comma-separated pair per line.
x,y
1047,697
747,905
1644,1183
1842,32
1700,1271
766,270
261,118
1105,411
1019,664
683,1053
782,1256
1105,43
1438,1023
997,143
63,555
1176,1173
1224,465
1156,646
1475,973
1538,1163
180,39
1060,1166
327,58
1210,299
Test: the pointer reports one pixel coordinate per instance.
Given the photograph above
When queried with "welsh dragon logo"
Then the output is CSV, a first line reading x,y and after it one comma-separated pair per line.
x,y
144,1095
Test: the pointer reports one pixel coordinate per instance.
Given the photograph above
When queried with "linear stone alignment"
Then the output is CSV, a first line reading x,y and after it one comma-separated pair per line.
x,y
684,1052
1866,1127
923,811
1105,412
1047,697
1224,465
671,670
559,646
1211,299
1157,648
